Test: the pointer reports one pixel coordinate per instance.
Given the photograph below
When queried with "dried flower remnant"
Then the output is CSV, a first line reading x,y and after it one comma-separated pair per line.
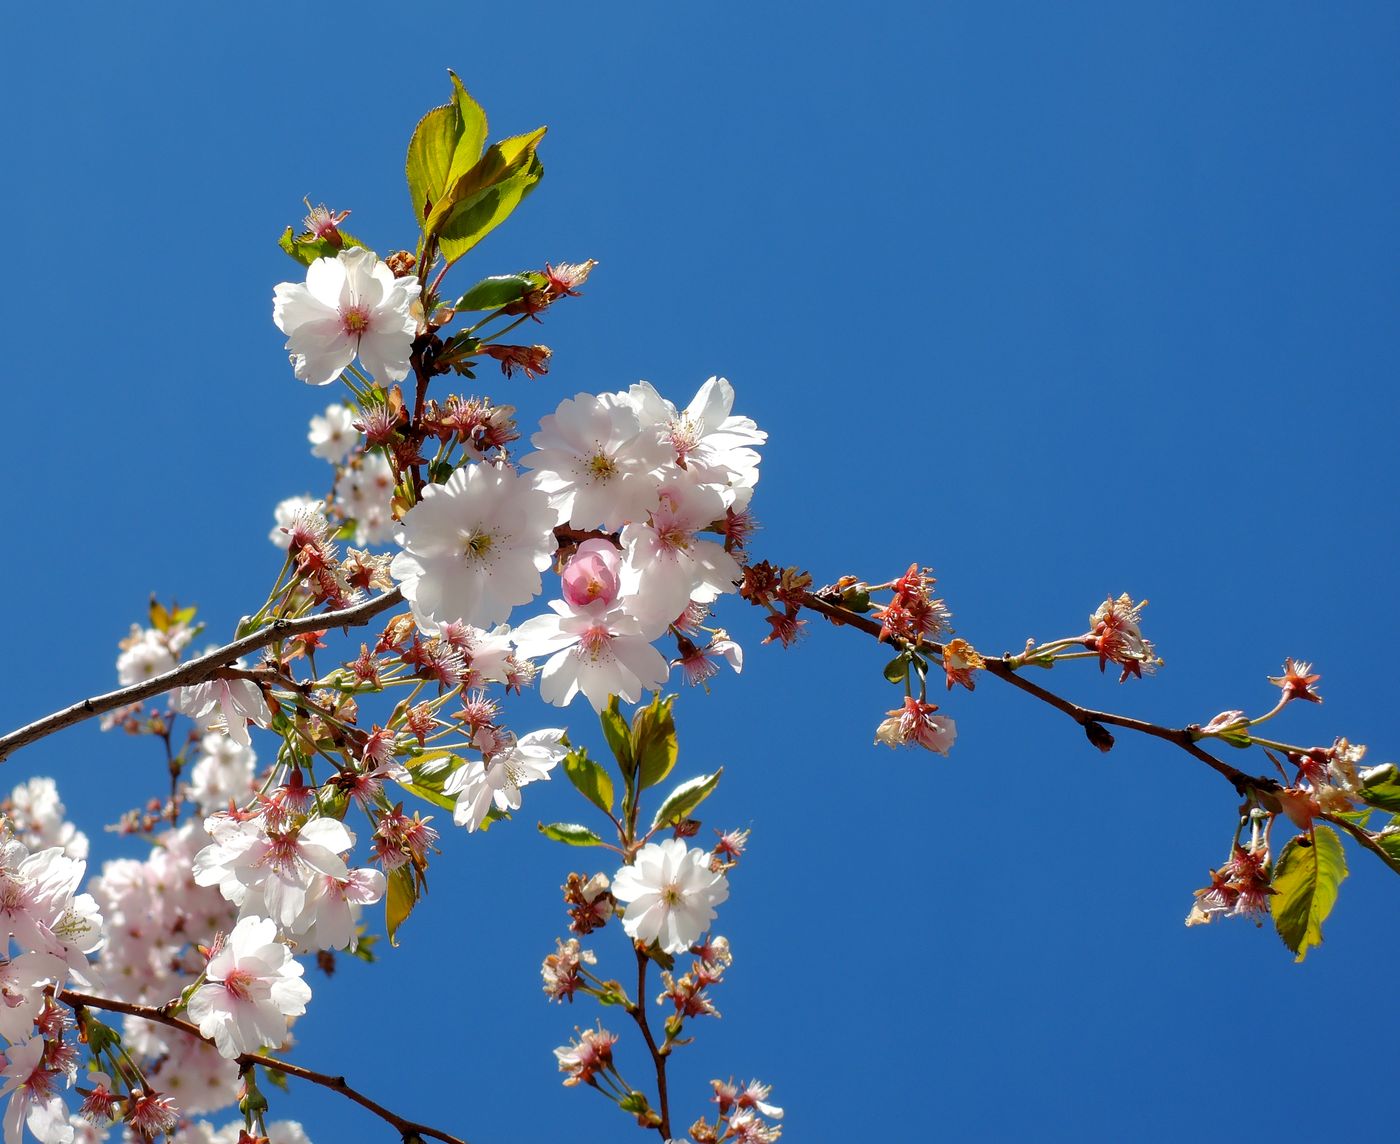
x,y
1115,632
1297,681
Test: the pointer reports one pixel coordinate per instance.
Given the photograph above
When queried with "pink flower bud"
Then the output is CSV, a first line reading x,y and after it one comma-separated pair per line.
x,y
592,575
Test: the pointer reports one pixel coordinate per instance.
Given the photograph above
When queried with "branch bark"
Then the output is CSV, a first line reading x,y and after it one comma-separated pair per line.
x,y
406,1128
1084,716
195,670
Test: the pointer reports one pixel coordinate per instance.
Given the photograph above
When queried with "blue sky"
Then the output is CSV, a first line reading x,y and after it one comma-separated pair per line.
x,y
1062,300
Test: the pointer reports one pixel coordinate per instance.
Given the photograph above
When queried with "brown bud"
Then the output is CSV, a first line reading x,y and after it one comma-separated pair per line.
x,y
1099,735
401,262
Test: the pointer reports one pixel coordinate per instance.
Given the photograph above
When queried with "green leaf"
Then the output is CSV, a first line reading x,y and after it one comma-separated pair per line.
x,y
499,290
571,833
1389,841
400,899
276,1078
618,737
445,145
307,248
590,778
501,162
483,198
1380,786
680,804
429,776
1305,882
897,670
654,737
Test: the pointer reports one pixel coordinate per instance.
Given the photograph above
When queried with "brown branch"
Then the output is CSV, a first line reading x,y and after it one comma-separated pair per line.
x,y
1086,717
196,670
406,1128
658,1058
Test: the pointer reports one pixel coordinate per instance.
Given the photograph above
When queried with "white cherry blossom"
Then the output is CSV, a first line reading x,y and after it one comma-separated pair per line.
x,y
498,778
595,462
474,547
670,893
333,435
252,985
596,650
350,304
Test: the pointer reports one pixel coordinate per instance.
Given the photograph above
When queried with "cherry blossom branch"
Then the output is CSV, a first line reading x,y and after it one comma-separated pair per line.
x,y
408,1129
658,1058
1091,720
196,670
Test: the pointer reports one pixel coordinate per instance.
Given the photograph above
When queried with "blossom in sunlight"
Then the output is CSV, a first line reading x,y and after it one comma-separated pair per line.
x,y
596,650
33,1101
668,563
915,724
710,444
333,434
583,1058
670,893
39,908
496,778
595,462
273,873
233,702
1115,632
252,985
474,547
349,305
287,513
560,970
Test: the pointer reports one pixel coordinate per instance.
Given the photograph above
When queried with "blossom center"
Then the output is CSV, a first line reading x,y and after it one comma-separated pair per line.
x,y
476,544
671,894
354,319
684,435
601,467
238,983
595,642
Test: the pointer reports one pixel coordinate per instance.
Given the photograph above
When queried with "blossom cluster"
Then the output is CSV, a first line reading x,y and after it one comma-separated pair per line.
x,y
660,497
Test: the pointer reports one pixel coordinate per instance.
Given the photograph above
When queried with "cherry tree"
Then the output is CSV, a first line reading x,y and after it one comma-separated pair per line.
x,y
368,712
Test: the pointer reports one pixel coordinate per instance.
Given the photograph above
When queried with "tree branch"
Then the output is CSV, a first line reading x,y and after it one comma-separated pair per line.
x,y
1084,716
196,670
406,1128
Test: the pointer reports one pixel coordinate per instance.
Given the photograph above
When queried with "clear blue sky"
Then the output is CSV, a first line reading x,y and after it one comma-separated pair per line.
x,y
1061,299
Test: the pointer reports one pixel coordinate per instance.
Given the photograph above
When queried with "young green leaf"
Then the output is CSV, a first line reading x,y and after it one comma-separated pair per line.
x,y
1305,882
680,804
592,781
430,775
571,833
400,899
1380,786
487,198
445,145
618,737
897,670
500,290
307,248
654,736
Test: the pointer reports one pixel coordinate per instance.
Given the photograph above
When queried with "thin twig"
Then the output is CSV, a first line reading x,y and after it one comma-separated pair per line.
x,y
658,1058
1084,716
196,670
406,1128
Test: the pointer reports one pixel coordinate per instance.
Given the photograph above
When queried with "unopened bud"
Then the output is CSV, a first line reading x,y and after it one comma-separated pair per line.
x,y
1099,735
401,262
